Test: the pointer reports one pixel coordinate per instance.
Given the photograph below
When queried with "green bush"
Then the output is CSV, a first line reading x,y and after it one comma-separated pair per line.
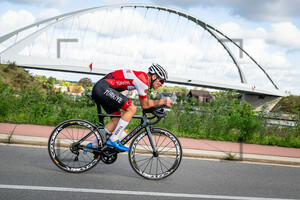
x,y
226,118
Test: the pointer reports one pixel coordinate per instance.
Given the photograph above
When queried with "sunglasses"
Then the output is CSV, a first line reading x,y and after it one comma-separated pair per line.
x,y
162,81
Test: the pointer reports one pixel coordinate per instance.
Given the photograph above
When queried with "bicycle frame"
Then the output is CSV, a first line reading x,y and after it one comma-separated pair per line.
x,y
143,124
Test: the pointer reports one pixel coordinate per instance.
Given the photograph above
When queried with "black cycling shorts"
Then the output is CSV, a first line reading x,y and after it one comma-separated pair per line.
x,y
110,99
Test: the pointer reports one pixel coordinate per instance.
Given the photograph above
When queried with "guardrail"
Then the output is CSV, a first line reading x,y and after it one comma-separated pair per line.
x,y
286,120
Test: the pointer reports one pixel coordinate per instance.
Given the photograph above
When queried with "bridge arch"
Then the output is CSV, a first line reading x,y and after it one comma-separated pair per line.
x,y
128,35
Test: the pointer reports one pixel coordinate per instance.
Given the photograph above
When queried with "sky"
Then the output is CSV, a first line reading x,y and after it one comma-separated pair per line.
x,y
271,27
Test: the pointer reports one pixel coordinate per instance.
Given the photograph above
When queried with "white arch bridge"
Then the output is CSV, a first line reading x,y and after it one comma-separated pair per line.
x,y
134,36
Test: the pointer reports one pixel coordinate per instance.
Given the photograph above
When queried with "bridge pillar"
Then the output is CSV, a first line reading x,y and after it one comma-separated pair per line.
x,y
261,101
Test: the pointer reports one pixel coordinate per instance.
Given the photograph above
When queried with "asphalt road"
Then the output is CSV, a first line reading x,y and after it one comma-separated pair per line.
x,y
28,173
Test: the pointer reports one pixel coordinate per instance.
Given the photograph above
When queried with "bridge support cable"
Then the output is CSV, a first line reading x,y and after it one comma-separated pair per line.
x,y
138,26
179,54
99,32
172,37
242,76
125,33
150,35
109,55
164,31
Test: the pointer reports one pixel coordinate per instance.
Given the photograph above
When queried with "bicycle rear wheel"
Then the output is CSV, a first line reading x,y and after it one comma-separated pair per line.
x,y
151,166
64,150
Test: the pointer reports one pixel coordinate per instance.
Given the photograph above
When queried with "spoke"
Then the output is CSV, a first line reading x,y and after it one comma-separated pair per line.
x,y
63,158
162,152
146,144
66,140
157,139
70,159
147,164
156,167
148,160
83,158
166,145
150,166
162,142
162,164
74,163
71,137
162,159
88,155
147,149
82,134
60,153
141,160
158,160
66,137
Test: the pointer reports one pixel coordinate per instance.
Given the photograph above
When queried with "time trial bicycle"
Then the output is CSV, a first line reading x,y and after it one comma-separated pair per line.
x,y
155,153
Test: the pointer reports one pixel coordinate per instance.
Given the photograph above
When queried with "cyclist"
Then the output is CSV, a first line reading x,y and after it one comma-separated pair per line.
x,y
106,92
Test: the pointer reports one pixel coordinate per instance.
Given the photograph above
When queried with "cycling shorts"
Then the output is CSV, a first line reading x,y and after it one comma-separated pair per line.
x,y
110,99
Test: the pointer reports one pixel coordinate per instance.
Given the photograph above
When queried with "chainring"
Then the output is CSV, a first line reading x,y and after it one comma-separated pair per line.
x,y
109,155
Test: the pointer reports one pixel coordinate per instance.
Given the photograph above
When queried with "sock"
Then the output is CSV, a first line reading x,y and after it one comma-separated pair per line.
x,y
95,141
118,130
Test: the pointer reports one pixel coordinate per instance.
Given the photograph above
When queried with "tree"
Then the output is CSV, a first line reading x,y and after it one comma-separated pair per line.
x,y
85,82
66,83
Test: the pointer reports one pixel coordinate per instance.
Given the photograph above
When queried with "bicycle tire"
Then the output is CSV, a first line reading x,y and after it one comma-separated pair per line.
x,y
60,144
143,161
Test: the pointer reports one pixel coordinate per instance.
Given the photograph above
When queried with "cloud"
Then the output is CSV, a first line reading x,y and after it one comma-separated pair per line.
x,y
256,10
270,48
264,10
234,30
183,4
259,42
259,49
13,20
38,2
286,35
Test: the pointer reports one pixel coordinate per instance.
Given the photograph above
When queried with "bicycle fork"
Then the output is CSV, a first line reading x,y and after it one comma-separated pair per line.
x,y
155,153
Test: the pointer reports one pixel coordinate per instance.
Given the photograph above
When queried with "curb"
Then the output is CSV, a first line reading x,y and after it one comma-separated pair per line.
x,y
187,153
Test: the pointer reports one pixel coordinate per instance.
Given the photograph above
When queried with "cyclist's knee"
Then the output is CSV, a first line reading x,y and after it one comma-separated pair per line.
x,y
132,108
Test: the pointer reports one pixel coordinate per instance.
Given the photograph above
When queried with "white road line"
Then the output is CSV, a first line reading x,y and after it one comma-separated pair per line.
x,y
124,192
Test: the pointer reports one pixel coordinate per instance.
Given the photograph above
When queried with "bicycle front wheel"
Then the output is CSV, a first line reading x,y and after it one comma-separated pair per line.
x,y
66,152
155,166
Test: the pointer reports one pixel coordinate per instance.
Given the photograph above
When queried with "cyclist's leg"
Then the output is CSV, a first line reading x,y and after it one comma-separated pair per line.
x,y
123,122
127,116
110,126
112,101
103,95
129,112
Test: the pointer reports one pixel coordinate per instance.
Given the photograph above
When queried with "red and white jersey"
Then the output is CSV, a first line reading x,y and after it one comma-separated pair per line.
x,y
127,79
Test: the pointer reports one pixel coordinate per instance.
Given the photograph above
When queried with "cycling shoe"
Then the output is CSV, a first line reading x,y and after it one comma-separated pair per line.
x,y
89,145
117,144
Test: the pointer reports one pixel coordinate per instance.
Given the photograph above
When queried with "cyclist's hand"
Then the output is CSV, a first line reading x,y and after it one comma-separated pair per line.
x,y
169,103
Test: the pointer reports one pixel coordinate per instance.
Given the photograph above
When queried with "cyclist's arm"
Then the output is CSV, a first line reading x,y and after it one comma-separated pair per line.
x,y
147,103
